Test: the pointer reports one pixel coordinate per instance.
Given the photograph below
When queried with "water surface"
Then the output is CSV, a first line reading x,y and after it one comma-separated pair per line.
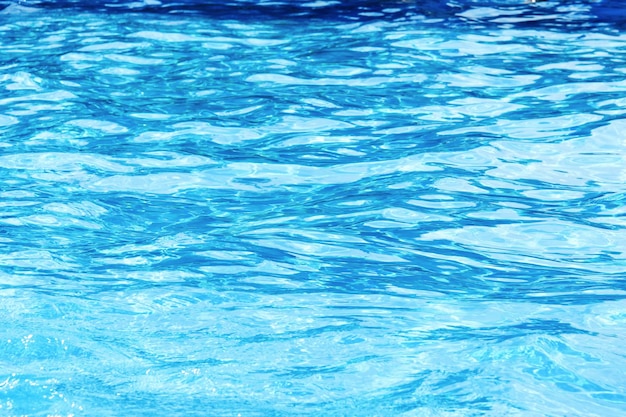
x,y
323,208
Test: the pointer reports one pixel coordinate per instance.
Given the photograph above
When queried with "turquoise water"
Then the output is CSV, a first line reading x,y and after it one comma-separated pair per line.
x,y
326,209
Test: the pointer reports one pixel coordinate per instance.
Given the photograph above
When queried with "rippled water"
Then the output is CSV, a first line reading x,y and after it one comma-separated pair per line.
x,y
279,209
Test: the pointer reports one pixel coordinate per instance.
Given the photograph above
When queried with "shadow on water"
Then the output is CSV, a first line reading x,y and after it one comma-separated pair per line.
x,y
247,9
517,12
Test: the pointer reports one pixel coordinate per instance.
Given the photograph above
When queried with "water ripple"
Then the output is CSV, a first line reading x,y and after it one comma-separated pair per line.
x,y
325,208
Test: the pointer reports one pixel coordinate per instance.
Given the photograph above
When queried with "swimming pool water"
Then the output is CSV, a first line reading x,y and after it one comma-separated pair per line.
x,y
322,208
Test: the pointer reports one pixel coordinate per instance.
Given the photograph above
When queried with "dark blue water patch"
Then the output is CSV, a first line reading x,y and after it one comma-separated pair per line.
x,y
610,11
580,14
250,10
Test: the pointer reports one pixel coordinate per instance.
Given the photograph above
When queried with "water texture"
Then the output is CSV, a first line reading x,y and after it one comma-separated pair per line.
x,y
322,208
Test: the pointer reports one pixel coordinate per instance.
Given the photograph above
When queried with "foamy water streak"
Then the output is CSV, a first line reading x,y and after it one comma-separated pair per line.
x,y
278,210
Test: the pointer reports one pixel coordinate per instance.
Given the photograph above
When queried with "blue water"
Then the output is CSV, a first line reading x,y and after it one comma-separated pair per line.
x,y
317,208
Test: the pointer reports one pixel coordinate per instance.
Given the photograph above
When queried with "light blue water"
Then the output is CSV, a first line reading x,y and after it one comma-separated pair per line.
x,y
312,209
